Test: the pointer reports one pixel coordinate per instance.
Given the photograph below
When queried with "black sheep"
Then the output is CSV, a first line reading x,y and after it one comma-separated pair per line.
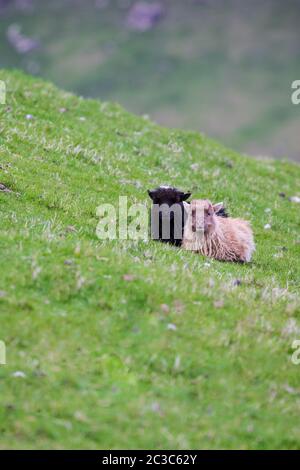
x,y
169,214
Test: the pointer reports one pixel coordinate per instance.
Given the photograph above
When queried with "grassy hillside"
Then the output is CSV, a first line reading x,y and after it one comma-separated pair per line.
x,y
176,354
222,66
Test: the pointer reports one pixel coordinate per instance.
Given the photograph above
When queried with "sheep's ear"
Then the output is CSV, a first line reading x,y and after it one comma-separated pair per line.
x,y
185,196
218,207
151,193
186,206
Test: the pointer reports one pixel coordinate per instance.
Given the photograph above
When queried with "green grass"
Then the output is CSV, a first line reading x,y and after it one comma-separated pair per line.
x,y
102,368
223,67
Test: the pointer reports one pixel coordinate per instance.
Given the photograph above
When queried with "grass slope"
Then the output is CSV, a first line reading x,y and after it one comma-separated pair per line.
x,y
225,67
103,368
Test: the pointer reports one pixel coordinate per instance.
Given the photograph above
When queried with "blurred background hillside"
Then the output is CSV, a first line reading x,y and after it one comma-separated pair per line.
x,y
224,67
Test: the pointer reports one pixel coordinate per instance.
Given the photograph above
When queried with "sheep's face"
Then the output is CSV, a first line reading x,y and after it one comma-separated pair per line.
x,y
166,197
203,215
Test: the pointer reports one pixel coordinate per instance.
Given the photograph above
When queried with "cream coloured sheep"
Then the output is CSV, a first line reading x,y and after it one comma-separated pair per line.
x,y
225,239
